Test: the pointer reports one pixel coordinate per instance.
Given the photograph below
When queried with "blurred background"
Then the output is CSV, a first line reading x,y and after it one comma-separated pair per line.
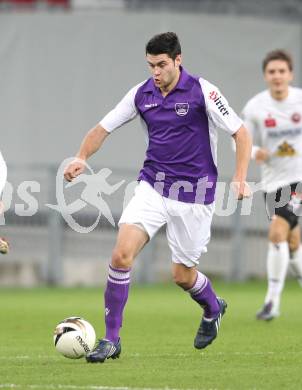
x,y
63,66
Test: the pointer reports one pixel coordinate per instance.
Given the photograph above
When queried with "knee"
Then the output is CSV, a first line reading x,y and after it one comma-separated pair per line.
x,y
277,235
293,245
121,259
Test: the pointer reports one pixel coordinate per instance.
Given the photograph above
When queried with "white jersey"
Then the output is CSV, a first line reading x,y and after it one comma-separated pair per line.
x,y
3,173
277,126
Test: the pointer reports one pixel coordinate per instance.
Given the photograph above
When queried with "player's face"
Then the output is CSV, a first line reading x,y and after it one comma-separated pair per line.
x,y
164,70
278,76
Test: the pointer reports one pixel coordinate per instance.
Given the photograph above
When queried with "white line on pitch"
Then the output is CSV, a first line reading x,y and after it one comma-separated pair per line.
x,y
75,387
179,355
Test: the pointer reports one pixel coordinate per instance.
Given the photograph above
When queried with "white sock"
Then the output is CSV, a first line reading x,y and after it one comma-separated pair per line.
x,y
295,263
277,263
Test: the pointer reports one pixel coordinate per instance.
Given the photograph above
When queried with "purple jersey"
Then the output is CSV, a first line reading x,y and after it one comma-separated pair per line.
x,y
182,139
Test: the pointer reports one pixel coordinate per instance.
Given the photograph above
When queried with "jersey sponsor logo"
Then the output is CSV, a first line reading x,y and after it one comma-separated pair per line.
x,y
270,122
285,150
151,105
296,117
182,108
214,95
285,133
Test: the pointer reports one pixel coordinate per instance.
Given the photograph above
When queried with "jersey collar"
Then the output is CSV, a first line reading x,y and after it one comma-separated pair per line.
x,y
183,83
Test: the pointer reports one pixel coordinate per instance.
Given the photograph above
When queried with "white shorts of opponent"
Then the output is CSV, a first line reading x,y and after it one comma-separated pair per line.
x,y
188,225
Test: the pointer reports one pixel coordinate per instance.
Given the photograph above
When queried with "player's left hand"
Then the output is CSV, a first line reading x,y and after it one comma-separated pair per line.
x,y
241,189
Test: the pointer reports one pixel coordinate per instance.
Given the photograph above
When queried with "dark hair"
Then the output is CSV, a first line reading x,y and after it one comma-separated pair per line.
x,y
278,54
165,43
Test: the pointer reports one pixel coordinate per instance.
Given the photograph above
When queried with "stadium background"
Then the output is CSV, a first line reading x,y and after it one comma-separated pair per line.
x,y
63,65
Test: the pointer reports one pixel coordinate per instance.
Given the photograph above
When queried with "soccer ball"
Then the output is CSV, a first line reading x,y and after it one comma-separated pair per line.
x,y
74,337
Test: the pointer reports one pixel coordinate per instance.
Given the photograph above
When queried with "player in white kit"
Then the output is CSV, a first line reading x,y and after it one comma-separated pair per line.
x,y
274,118
3,174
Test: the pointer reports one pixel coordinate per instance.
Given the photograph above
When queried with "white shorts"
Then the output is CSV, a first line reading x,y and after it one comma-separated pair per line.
x,y
188,227
3,173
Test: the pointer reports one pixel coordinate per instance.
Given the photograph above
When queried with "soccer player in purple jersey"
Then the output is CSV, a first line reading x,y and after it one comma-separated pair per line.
x,y
180,114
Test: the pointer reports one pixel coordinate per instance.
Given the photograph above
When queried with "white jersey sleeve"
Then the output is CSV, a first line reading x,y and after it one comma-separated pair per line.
x,y
3,173
250,123
124,111
218,109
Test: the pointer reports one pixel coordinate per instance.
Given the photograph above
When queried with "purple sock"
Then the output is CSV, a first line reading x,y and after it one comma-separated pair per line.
x,y
202,292
116,296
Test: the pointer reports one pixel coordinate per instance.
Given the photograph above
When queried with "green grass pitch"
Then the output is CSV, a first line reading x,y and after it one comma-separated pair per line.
x,y
157,341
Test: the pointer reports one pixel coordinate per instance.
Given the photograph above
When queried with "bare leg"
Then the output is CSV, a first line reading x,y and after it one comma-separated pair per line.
x,y
295,248
199,287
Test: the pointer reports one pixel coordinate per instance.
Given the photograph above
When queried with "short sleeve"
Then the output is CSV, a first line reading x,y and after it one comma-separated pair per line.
x,y
218,108
251,124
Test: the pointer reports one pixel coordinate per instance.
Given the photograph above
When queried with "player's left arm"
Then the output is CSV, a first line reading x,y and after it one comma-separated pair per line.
x,y
223,116
243,154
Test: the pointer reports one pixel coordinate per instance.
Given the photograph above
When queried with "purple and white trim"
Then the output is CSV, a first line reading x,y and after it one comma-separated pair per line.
x,y
118,276
200,284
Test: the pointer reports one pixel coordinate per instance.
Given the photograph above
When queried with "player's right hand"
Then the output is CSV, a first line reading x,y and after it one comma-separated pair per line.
x,y
241,189
74,169
262,155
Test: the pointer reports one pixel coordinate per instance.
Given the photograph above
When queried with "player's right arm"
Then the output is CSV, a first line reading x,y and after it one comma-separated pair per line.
x,y
259,153
90,144
124,112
